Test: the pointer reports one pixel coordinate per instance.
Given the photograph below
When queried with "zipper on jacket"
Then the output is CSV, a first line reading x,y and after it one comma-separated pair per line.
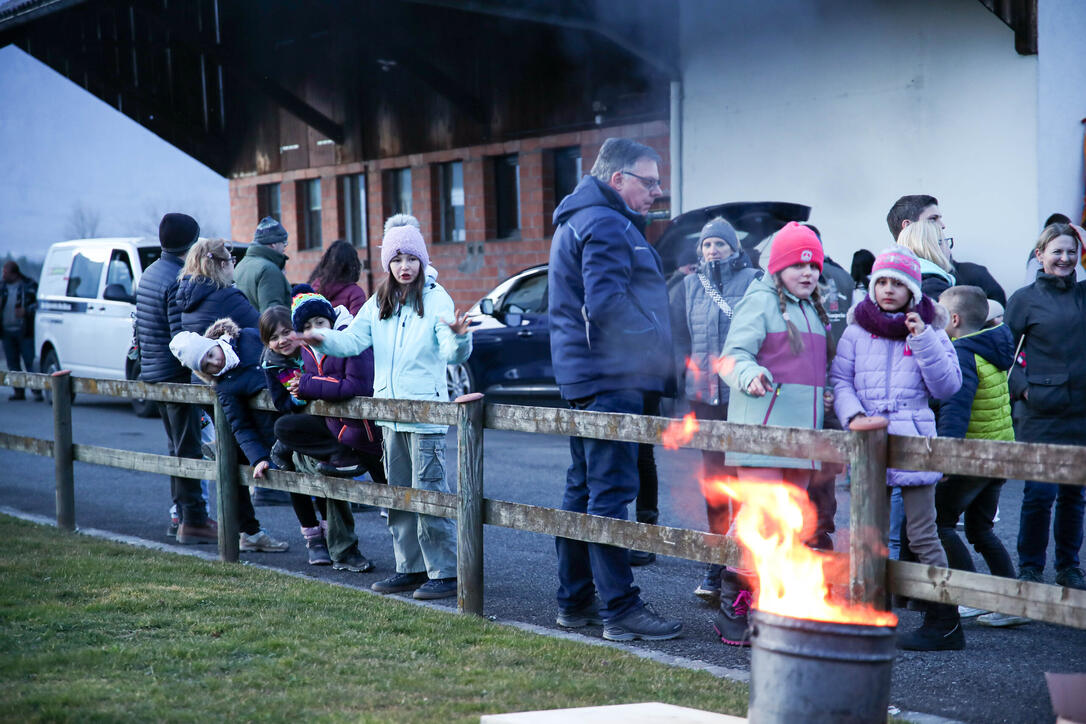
x,y
395,345
889,368
814,394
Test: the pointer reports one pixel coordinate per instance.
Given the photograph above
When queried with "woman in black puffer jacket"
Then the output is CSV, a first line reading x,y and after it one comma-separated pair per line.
x,y
1048,384
206,292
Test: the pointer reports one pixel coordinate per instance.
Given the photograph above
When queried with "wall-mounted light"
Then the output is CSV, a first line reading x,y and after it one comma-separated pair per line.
x,y
289,147
326,142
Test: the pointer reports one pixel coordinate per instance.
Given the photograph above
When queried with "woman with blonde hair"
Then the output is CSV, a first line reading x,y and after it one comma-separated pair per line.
x,y
926,241
206,291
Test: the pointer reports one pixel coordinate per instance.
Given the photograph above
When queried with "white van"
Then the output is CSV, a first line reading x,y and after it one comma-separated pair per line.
x,y
86,303
87,306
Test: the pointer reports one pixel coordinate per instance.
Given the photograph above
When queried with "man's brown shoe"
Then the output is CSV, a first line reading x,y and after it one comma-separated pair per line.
x,y
191,534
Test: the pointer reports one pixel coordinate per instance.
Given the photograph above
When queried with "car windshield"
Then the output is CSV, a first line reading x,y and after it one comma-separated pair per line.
x,y
529,296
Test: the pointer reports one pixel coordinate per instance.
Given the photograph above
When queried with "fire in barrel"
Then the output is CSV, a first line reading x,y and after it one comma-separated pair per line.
x,y
815,656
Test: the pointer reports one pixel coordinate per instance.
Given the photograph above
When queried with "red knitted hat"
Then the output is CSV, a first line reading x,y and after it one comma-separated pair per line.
x,y
794,244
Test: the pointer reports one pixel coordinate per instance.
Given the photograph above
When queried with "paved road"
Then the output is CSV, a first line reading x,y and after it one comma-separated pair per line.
x,y
998,678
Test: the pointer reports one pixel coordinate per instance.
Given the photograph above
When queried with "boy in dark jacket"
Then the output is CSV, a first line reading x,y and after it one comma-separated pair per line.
x,y
980,410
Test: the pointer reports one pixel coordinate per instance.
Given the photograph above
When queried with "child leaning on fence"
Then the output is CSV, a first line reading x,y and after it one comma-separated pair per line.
x,y
414,332
980,410
892,358
227,358
777,347
334,541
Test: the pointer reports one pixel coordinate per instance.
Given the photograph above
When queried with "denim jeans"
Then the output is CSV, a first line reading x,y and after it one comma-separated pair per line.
x,y
1033,525
897,522
978,498
420,542
602,480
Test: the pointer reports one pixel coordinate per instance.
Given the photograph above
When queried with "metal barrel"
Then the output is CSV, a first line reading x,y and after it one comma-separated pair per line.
x,y
816,671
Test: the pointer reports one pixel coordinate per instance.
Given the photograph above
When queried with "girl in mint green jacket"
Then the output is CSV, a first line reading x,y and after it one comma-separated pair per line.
x,y
415,333
775,363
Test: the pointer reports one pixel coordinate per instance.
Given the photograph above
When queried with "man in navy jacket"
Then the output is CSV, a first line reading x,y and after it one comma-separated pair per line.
x,y
158,319
610,345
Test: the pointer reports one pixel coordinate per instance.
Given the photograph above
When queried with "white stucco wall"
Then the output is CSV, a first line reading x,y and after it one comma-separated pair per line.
x,y
1061,102
846,106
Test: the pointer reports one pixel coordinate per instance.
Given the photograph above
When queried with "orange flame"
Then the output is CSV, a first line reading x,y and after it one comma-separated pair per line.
x,y
679,432
774,521
723,365
692,368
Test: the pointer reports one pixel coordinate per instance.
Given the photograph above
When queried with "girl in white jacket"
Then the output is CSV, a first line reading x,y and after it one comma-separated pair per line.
x,y
415,333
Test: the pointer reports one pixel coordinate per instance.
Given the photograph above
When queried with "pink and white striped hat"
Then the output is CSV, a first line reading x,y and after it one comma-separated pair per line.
x,y
899,263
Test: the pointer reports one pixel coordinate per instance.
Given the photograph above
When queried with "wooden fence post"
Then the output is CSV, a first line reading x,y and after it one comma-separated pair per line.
x,y
62,448
869,515
227,486
469,487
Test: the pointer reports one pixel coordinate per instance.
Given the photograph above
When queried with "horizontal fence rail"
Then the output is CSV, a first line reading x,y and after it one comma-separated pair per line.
x,y
864,569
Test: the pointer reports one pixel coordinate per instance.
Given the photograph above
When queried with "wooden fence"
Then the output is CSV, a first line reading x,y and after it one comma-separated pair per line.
x,y
867,448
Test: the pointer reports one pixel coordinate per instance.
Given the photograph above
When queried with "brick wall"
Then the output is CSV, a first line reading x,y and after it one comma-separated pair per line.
x,y
467,270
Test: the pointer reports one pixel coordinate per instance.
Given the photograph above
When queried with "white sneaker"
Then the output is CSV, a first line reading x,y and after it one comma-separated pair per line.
x,y
970,612
1001,620
261,542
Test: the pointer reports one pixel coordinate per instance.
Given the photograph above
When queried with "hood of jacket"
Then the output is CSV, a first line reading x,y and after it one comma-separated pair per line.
x,y
224,327
995,344
259,251
590,191
931,269
192,291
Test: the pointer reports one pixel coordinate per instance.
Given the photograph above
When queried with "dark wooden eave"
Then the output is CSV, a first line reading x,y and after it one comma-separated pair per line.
x,y
1021,17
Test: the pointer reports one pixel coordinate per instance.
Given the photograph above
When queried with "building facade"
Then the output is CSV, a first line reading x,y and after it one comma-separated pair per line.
x,y
484,210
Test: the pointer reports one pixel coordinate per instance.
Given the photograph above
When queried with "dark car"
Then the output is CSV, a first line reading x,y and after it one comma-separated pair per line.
x,y
511,352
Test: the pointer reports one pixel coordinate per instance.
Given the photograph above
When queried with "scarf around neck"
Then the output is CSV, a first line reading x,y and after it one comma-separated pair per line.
x,y
891,325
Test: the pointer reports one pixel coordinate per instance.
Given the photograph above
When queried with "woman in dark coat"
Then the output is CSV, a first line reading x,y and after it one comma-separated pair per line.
x,y
206,292
1048,382
336,277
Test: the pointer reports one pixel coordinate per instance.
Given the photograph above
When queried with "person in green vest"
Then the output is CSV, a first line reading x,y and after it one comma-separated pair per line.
x,y
980,410
260,275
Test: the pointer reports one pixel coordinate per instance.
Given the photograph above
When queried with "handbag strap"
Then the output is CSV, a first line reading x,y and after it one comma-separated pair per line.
x,y
715,295
1014,361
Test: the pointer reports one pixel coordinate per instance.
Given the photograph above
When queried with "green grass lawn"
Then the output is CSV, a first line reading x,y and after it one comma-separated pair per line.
x,y
97,631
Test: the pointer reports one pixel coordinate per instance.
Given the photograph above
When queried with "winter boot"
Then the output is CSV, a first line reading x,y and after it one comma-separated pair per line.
x,y
941,631
732,622
315,544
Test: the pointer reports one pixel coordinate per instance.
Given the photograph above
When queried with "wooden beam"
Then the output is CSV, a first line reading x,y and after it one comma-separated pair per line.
x,y
25,444
989,458
145,462
828,445
1038,601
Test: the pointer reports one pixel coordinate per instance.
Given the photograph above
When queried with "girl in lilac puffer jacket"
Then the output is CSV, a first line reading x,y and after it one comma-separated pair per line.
x,y
891,359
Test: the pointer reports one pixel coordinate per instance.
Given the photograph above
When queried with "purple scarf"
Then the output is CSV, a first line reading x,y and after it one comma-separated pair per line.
x,y
890,325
